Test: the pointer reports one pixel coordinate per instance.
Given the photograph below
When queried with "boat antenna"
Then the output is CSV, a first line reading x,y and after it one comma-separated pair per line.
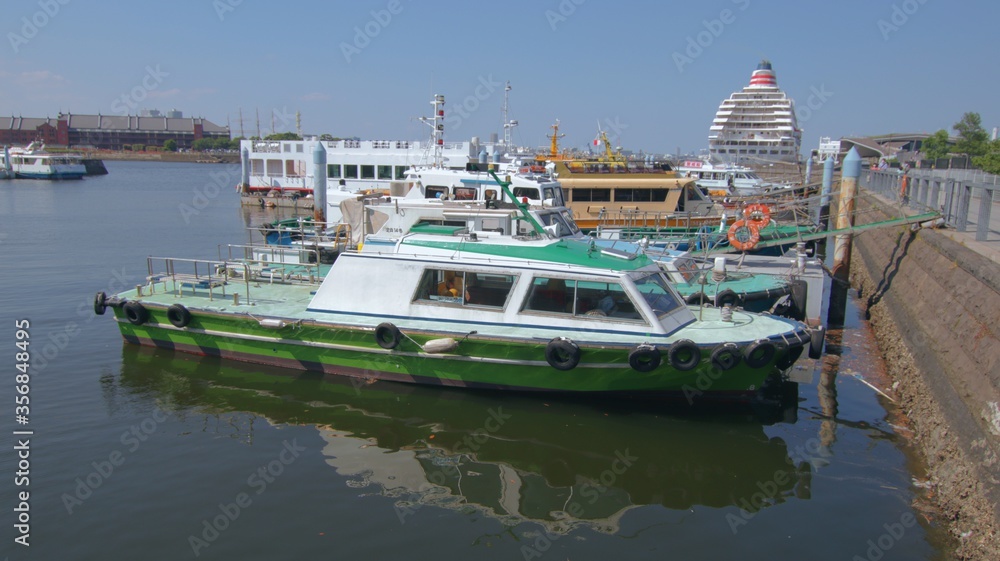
x,y
508,124
437,129
521,206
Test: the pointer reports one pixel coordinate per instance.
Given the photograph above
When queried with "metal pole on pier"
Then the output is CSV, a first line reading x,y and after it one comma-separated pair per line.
x,y
842,243
244,170
824,202
809,171
319,183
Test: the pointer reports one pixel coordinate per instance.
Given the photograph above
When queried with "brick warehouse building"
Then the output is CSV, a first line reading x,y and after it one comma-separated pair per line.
x,y
108,132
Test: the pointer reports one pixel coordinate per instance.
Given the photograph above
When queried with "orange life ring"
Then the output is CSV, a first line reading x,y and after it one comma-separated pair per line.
x,y
757,214
743,235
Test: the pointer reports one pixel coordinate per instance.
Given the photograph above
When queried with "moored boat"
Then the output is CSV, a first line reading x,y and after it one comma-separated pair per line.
x,y
723,180
34,162
481,309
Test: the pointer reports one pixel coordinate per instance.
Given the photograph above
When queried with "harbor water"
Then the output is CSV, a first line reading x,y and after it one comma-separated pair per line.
x,y
147,454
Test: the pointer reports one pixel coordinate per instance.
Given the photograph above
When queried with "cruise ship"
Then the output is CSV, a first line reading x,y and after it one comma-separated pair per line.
x,y
756,124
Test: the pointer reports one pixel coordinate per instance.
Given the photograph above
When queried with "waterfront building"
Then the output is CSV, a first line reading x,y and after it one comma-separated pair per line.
x,y
108,132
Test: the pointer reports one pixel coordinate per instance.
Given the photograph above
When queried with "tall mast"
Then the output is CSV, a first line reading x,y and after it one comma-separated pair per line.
x,y
437,129
555,136
507,124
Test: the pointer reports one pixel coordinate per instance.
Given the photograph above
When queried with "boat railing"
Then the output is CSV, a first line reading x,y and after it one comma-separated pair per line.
x,y
172,274
965,202
645,219
275,263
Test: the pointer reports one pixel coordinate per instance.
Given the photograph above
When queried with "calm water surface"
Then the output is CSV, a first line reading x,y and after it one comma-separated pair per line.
x,y
143,454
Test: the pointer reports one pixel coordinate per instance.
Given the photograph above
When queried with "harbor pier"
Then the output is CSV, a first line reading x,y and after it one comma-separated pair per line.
x,y
932,297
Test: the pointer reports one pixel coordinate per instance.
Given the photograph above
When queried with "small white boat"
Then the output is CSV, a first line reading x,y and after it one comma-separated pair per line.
x,y
723,180
33,162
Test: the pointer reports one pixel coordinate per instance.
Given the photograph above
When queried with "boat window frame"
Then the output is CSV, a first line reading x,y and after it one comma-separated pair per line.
x,y
585,302
429,289
678,301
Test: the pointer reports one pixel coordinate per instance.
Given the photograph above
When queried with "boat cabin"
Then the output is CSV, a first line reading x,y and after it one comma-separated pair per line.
x,y
508,293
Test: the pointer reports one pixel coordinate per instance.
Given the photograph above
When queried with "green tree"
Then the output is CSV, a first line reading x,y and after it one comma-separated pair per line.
x,y
202,144
972,137
170,145
936,145
283,136
990,161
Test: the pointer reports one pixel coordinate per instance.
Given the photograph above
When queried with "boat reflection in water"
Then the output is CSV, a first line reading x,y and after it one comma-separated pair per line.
x,y
562,464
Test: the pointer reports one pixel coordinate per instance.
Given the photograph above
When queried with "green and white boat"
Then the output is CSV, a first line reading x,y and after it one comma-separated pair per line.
x,y
473,309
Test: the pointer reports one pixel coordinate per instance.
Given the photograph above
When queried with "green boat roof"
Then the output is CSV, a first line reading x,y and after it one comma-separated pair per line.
x,y
568,252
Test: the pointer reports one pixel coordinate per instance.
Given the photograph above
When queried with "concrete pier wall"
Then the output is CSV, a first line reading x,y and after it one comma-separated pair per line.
x,y
935,308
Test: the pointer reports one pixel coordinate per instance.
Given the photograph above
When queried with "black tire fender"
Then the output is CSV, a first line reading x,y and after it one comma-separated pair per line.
x,y
100,303
388,335
562,353
684,355
695,298
726,356
759,353
727,296
135,313
644,358
178,315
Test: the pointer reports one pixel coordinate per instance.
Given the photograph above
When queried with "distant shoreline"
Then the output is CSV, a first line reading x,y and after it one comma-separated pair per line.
x,y
190,157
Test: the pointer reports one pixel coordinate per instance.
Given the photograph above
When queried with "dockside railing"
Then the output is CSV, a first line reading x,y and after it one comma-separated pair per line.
x,y
965,201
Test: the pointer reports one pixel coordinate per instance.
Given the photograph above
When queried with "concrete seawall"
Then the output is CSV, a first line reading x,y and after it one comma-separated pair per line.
x,y
934,306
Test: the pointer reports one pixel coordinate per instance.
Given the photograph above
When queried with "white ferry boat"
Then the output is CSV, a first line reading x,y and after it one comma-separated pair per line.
x,y
756,124
723,180
276,171
33,162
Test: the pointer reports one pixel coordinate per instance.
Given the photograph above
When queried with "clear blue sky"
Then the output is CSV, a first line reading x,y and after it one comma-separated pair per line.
x,y
870,66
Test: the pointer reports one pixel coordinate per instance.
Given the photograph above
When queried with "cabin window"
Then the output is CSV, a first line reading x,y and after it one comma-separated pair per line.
x,y
591,195
367,172
529,192
660,297
559,223
257,166
351,171
274,168
295,168
551,295
640,195
333,171
299,148
435,191
465,193
464,288
555,195
604,299
400,172
385,172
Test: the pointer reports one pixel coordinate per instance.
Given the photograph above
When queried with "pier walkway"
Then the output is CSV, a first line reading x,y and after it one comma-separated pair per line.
x,y
967,199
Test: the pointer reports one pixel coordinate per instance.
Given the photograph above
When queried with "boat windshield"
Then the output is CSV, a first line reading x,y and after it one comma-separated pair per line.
x,y
566,225
658,293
